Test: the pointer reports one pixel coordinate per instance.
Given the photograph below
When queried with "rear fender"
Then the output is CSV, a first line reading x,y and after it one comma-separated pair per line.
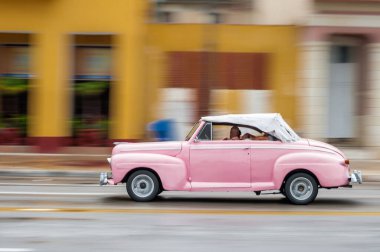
x,y
328,168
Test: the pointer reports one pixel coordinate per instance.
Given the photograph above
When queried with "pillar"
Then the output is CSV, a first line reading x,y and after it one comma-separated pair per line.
x,y
48,107
313,89
372,117
128,99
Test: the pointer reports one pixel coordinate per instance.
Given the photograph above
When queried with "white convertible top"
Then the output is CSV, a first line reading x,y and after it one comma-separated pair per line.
x,y
271,123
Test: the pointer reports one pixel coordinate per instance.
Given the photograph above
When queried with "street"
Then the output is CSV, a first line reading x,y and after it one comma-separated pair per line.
x,y
39,215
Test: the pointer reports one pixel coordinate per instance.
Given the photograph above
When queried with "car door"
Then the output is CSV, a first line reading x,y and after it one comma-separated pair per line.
x,y
219,164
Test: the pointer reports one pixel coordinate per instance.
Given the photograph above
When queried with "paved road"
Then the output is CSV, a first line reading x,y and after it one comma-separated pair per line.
x,y
42,216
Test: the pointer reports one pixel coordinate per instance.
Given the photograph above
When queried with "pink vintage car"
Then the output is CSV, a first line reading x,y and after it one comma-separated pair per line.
x,y
252,152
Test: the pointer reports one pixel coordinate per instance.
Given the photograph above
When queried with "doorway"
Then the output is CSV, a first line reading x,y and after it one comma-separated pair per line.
x,y
91,88
15,75
343,82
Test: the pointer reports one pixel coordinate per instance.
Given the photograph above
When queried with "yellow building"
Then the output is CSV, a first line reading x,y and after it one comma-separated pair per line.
x,y
91,65
246,68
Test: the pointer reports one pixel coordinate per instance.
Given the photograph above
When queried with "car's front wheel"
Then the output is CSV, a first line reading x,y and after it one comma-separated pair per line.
x,y
142,186
301,188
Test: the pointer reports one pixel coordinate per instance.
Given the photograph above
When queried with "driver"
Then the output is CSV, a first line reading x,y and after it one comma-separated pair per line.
x,y
235,133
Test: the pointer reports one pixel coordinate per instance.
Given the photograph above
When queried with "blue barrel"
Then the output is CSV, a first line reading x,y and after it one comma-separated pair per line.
x,y
163,129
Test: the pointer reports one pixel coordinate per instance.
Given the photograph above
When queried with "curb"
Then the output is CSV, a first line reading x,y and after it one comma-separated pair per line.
x,y
42,173
371,178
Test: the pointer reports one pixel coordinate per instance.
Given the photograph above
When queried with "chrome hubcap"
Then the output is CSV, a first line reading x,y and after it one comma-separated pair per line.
x,y
301,188
142,185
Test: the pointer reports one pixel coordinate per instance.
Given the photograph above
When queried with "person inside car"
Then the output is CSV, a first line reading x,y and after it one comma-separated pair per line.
x,y
248,136
235,133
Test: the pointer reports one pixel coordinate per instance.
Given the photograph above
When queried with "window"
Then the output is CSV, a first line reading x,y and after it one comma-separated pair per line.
x,y
15,77
220,131
91,83
215,18
205,133
343,54
164,16
231,70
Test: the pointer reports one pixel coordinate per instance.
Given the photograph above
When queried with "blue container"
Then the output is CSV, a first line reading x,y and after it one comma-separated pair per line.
x,y
163,129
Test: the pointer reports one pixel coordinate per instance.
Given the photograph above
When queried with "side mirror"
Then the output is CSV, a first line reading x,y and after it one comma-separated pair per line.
x,y
196,140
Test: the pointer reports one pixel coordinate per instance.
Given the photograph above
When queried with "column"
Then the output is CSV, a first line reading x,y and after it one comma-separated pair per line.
x,y
372,118
128,99
313,89
48,107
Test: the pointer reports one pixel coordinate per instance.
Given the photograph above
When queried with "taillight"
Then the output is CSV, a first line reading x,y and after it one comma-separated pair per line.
x,y
347,162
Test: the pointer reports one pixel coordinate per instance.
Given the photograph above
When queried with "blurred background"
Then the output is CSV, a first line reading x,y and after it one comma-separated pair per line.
x,y
90,72
78,75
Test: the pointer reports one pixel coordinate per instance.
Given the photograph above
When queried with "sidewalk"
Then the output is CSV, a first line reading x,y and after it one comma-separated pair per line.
x,y
74,163
71,158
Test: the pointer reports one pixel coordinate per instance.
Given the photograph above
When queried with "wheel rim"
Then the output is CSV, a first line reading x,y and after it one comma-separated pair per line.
x,y
301,188
142,185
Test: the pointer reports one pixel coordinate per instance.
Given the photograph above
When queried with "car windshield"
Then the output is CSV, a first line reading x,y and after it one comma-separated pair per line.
x,y
189,135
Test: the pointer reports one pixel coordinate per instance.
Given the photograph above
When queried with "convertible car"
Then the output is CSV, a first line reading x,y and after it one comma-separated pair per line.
x,y
250,152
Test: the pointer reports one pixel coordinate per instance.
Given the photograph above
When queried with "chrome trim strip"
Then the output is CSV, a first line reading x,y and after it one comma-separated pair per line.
x,y
211,131
260,147
149,149
288,147
294,148
219,147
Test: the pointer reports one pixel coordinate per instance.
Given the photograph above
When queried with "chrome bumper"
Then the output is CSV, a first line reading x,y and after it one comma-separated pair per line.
x,y
356,177
105,178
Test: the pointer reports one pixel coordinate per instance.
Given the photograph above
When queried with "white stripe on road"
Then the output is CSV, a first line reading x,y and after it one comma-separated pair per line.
x,y
198,211
177,195
15,249
37,210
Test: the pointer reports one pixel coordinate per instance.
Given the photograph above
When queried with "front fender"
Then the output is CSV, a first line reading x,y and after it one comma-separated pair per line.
x,y
328,168
171,170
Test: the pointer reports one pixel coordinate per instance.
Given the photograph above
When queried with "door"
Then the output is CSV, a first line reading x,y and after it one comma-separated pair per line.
x,y
343,78
219,164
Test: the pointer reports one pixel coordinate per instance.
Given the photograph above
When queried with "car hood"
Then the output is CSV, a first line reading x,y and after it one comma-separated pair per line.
x,y
167,148
319,144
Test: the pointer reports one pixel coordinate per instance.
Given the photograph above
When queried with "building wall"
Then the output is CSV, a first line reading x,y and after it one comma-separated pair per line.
x,y
349,20
278,41
270,12
259,12
51,24
140,63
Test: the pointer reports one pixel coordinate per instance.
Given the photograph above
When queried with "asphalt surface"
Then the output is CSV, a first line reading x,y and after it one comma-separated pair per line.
x,y
51,214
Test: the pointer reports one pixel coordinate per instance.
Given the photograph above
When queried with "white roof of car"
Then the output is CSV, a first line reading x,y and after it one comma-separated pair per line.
x,y
271,123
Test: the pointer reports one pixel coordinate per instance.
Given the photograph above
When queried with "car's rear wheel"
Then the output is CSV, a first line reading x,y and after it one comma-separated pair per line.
x,y
143,186
301,188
